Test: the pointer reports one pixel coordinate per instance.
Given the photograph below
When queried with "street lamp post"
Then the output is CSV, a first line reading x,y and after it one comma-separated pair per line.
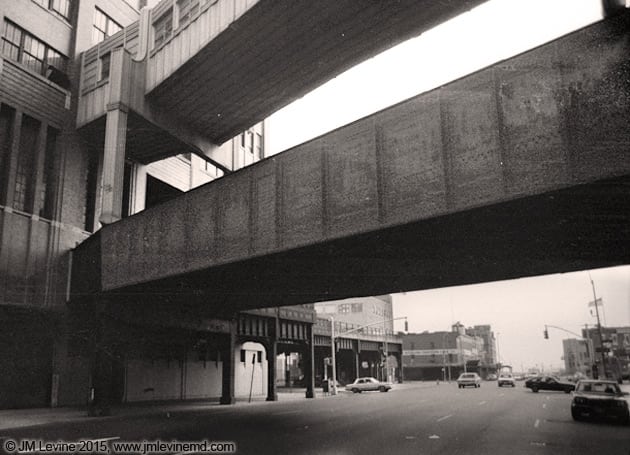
x,y
333,389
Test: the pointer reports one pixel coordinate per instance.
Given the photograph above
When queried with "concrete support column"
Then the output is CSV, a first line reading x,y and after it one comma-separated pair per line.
x,y
309,363
115,136
114,165
272,353
356,350
229,367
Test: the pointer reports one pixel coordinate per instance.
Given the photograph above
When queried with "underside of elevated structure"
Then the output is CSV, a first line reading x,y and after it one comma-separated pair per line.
x,y
277,51
520,169
230,64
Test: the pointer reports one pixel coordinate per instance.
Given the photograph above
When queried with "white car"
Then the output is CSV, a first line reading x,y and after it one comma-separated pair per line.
x,y
506,379
367,384
468,379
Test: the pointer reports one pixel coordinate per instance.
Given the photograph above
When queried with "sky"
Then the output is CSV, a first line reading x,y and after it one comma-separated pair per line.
x,y
518,309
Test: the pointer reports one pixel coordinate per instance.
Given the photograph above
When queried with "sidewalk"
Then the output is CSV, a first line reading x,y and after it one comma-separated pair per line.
x,y
18,418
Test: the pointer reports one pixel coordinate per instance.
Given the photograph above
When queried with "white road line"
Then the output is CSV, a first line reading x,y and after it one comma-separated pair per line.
x,y
482,402
445,417
537,423
544,405
286,412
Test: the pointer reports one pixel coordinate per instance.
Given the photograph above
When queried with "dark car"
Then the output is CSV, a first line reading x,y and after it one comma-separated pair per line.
x,y
549,383
599,399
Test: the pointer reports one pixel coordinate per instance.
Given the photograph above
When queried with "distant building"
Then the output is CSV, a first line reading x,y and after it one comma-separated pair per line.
x,y
577,356
488,352
444,355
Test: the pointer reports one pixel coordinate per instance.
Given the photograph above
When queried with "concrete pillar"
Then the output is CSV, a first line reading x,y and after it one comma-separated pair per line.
x,y
309,363
355,348
229,367
115,136
272,353
113,165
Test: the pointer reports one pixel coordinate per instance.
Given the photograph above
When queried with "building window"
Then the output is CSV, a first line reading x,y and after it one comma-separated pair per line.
x,y
344,308
187,10
91,181
163,28
106,61
22,47
27,159
103,26
47,195
61,7
6,133
259,146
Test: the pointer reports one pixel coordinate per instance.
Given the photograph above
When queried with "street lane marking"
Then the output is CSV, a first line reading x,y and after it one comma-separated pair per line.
x,y
445,417
434,436
537,423
411,437
544,405
482,402
540,444
286,412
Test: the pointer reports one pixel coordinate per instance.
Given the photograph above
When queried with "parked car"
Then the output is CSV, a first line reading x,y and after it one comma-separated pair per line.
x,y
549,383
492,377
468,379
368,384
600,399
506,379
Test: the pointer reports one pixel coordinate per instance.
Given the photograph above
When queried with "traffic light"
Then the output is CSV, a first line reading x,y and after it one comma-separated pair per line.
x,y
546,334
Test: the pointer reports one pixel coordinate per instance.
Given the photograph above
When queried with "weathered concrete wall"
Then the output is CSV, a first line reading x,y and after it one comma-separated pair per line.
x,y
551,118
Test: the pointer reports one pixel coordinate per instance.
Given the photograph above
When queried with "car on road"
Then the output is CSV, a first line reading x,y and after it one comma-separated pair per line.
x,y
506,379
491,377
600,399
549,383
468,379
368,384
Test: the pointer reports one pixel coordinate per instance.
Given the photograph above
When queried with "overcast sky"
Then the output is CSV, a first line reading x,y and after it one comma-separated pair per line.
x,y
518,309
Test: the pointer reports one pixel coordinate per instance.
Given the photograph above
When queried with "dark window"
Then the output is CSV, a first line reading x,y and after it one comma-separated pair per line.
x,y
22,47
187,10
103,26
25,172
7,116
47,191
106,61
243,355
259,146
91,175
259,356
163,28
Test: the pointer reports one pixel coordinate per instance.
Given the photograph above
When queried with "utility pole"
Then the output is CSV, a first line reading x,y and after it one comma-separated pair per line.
x,y
599,328
333,389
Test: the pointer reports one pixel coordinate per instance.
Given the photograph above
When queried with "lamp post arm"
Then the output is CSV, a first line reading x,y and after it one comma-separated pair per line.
x,y
565,330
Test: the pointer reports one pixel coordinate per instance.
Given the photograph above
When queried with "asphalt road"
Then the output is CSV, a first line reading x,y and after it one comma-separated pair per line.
x,y
411,419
